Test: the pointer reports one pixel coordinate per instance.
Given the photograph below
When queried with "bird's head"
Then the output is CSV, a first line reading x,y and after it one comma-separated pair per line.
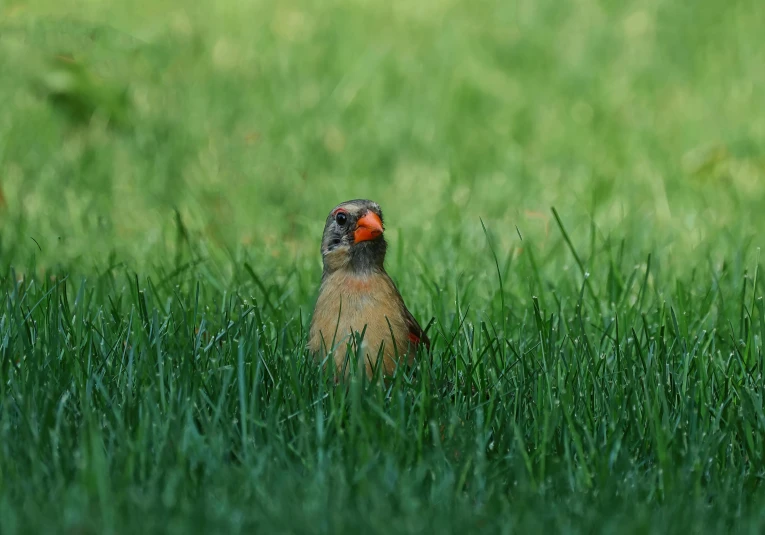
x,y
353,237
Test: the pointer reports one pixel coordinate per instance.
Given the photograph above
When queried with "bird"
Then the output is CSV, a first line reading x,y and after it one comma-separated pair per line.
x,y
358,300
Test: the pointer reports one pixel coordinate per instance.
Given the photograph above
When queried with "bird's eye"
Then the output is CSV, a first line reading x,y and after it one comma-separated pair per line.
x,y
341,218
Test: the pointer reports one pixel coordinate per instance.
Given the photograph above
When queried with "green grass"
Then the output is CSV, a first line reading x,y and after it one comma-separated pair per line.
x,y
164,177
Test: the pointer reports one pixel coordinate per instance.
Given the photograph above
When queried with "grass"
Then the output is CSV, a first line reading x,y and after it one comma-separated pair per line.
x,y
573,193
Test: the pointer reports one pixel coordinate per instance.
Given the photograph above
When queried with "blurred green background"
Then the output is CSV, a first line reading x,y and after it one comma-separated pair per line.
x,y
642,120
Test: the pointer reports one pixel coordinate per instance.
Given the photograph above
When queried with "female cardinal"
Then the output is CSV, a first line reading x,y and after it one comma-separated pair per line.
x,y
357,299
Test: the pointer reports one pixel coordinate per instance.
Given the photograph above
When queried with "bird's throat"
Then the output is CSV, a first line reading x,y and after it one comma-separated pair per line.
x,y
367,257
360,260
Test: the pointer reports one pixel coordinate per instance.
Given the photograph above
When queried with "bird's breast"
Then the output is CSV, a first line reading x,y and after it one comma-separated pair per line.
x,y
350,304
354,299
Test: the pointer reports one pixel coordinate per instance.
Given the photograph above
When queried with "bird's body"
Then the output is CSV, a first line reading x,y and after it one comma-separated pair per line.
x,y
357,298
368,304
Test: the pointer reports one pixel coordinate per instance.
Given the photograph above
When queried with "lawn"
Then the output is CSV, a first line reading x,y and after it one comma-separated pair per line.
x,y
574,196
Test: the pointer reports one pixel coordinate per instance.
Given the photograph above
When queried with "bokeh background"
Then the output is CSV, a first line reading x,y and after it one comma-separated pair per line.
x,y
245,122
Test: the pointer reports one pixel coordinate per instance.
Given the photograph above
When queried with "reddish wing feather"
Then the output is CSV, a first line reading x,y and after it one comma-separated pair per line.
x,y
415,331
416,334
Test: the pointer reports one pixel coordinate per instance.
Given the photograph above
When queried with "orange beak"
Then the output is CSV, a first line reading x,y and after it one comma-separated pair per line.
x,y
368,228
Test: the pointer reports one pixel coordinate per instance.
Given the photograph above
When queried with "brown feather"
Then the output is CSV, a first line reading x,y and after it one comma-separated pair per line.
x,y
348,303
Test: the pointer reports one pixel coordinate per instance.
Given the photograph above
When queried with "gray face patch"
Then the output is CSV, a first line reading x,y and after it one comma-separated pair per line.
x,y
338,248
